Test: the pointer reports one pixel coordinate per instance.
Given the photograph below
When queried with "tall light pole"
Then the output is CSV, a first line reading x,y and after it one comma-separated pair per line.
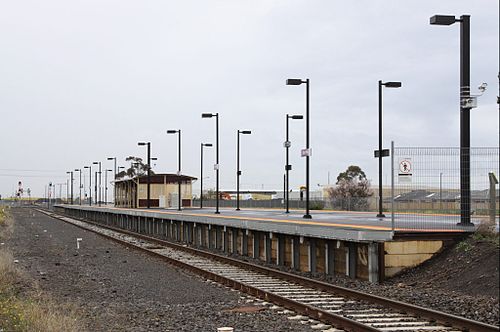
x,y
382,153
201,172
113,158
106,185
114,193
216,166
465,107
98,197
90,183
238,171
71,176
148,144
307,151
288,167
115,170
80,185
179,180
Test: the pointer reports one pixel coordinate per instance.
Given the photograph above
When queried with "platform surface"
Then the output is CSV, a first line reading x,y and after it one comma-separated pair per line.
x,y
358,226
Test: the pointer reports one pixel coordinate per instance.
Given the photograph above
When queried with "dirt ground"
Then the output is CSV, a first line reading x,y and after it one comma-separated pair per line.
x,y
470,267
118,289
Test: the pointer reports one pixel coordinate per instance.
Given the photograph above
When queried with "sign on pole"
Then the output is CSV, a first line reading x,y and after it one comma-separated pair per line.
x,y
306,152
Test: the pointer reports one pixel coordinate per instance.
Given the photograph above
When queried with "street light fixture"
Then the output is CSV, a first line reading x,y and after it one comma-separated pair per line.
x,y
179,208
465,106
307,151
201,173
288,167
382,153
90,183
80,185
216,166
148,144
238,171
98,197
71,173
106,185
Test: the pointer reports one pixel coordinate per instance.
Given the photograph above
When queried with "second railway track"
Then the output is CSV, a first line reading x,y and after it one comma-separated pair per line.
x,y
343,308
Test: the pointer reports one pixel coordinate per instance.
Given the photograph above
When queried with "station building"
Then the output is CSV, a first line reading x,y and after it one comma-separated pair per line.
x,y
164,191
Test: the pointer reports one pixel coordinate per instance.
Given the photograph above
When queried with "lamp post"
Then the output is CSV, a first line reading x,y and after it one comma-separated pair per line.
x,y
106,185
216,166
98,197
80,185
465,198
120,193
71,175
113,158
307,152
179,180
201,172
238,171
90,183
148,144
288,167
115,170
382,153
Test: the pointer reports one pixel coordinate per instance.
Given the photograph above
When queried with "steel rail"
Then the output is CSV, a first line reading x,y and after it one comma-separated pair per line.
x,y
430,314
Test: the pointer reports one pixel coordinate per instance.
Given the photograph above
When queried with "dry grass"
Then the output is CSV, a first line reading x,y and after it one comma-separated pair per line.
x,y
5,223
23,307
486,231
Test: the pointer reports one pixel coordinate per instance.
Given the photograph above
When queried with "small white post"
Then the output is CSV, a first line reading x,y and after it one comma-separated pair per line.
x,y
78,240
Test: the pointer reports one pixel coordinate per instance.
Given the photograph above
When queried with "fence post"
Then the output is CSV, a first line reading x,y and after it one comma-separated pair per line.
x,y
493,208
392,186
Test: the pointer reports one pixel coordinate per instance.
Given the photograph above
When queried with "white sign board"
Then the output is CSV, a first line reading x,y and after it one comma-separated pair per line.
x,y
405,171
306,152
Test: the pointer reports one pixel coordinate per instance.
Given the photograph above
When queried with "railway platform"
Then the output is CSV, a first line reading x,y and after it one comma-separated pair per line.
x,y
357,244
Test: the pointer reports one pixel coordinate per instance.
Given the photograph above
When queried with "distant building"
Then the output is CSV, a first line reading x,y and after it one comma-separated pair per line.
x,y
132,192
248,194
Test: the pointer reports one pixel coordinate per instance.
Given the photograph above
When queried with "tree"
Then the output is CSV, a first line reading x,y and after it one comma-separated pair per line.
x,y
137,168
351,190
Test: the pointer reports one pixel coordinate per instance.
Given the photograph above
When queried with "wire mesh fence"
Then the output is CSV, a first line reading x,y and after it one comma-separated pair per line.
x,y
444,188
427,191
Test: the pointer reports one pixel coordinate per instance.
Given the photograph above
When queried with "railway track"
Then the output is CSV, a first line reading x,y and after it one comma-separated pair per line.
x,y
342,308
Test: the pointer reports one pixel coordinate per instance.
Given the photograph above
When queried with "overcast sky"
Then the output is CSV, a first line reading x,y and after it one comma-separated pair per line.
x,y
84,80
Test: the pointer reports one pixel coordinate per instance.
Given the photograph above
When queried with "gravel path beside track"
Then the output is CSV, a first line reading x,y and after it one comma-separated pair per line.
x,y
119,289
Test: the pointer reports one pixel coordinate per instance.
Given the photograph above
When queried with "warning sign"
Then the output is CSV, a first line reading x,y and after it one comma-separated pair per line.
x,y
405,170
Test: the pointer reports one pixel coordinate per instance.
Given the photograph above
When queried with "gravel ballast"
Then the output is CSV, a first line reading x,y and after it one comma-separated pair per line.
x,y
119,289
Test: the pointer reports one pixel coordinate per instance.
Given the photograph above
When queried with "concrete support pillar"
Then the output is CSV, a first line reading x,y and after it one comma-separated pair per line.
x,y
312,255
210,237
268,247
256,242
373,262
280,252
218,237
330,257
195,234
234,245
296,252
244,242
352,258
177,231
189,234
225,234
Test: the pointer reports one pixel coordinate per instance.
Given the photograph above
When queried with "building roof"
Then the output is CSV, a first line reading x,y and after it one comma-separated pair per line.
x,y
158,178
261,192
